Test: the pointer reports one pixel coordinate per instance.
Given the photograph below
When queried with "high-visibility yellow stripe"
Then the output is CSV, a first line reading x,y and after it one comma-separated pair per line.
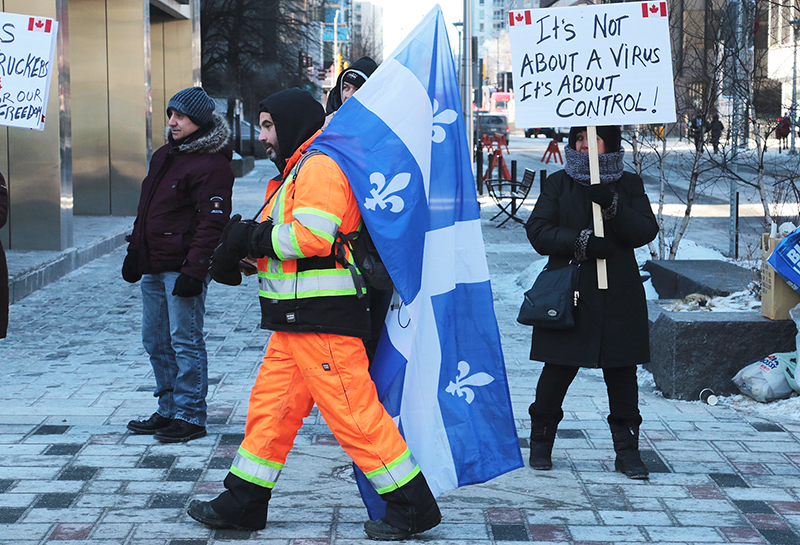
x,y
256,470
317,283
395,474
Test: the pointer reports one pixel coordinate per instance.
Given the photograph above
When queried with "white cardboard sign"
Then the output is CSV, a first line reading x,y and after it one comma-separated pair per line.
x,y
27,51
608,64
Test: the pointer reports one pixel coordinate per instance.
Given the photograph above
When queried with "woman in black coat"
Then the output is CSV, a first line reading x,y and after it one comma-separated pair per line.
x,y
611,327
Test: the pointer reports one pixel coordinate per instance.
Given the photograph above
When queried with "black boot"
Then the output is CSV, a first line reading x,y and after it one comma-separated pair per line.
x,y
411,509
543,435
243,506
625,434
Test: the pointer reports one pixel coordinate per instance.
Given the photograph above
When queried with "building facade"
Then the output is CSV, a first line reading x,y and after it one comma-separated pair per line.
x,y
117,63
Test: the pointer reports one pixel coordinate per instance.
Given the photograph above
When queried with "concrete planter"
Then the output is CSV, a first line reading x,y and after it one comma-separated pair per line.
x,y
690,351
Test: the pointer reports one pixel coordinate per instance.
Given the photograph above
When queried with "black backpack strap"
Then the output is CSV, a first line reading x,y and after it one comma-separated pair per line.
x,y
295,169
341,241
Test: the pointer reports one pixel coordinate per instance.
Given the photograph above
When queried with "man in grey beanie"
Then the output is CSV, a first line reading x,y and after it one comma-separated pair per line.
x,y
184,205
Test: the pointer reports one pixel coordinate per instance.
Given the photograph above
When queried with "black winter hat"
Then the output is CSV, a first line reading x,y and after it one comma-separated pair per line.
x,y
297,116
611,135
194,103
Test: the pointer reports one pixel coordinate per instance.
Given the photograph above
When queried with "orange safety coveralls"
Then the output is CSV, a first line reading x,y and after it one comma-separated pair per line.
x,y
301,368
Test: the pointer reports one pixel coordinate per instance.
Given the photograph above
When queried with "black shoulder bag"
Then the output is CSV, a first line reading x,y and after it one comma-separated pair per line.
x,y
550,302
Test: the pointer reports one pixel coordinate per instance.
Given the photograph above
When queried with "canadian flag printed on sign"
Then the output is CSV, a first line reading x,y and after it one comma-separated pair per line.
x,y
37,24
654,9
519,17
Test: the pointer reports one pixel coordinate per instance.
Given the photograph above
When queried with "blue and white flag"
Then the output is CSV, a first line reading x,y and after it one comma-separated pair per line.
x,y
439,367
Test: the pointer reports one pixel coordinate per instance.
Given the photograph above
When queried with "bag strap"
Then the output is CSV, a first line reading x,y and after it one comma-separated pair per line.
x,y
341,241
295,168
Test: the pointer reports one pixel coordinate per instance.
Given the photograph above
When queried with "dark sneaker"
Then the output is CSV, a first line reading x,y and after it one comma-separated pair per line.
x,y
180,431
381,530
202,512
150,426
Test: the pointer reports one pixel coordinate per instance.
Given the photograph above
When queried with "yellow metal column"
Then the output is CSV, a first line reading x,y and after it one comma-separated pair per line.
x,y
157,83
128,100
90,126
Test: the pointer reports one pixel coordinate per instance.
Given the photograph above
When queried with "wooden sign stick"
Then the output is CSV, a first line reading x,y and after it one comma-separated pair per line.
x,y
597,212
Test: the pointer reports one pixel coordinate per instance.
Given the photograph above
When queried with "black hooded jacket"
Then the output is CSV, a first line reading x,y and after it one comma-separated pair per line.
x,y
364,65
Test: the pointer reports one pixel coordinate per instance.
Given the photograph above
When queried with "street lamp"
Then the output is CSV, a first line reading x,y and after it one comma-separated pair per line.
x,y
336,43
795,23
458,26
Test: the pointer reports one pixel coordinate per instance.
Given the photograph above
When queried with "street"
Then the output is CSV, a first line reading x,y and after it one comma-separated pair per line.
x,y
75,373
710,223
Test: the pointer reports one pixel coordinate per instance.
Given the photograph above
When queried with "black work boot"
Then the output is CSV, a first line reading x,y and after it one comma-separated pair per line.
x,y
243,506
150,426
625,434
543,435
411,509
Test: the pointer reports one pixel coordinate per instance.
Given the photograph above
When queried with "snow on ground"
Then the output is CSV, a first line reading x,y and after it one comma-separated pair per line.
x,y
745,301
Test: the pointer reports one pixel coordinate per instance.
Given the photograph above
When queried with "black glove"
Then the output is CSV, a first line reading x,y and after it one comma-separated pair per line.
x,y
601,194
224,266
261,241
130,267
187,286
239,237
599,247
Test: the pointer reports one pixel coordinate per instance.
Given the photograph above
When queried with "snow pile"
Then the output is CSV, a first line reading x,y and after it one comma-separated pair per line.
x,y
741,301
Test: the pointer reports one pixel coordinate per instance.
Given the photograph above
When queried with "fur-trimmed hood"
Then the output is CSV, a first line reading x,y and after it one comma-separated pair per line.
x,y
211,141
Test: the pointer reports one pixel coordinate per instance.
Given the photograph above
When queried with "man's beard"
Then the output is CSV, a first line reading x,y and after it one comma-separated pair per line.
x,y
272,155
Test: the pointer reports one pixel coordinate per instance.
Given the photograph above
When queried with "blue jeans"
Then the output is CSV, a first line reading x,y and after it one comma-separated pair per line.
x,y
172,333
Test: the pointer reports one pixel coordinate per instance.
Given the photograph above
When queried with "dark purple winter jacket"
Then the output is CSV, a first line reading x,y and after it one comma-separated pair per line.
x,y
185,204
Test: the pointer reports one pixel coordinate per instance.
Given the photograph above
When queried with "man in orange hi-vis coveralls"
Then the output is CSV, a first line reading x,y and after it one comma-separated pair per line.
x,y
315,354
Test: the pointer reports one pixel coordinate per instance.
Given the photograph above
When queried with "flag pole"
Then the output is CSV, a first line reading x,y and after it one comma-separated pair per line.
x,y
597,213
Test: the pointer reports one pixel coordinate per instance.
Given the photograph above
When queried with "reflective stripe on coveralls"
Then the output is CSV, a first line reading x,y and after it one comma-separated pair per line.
x,y
394,475
256,470
300,369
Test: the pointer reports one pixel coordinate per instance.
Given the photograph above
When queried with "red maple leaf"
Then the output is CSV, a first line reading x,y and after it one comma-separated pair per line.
x,y
39,23
654,8
519,17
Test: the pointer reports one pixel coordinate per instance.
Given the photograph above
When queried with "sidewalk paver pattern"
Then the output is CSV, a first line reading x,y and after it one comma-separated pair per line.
x,y
75,372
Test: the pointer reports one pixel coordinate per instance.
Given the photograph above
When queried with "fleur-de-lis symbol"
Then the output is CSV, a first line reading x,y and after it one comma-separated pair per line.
x,y
382,195
444,117
459,387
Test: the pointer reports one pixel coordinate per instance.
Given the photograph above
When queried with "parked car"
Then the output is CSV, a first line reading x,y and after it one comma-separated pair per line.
x,y
486,123
556,133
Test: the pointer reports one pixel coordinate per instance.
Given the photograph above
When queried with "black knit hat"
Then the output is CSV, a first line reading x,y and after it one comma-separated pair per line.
x,y
611,135
195,104
354,77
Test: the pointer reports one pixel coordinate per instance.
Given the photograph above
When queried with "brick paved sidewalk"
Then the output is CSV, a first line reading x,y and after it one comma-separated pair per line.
x,y
75,372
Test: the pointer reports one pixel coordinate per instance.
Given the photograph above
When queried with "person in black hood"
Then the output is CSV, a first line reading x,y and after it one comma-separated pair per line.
x,y
348,83
318,316
298,115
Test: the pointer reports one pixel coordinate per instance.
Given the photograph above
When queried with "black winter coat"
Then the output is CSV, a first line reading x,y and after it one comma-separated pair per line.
x,y
185,204
611,327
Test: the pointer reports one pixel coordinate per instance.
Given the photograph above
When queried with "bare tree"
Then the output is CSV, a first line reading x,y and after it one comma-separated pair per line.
x,y
252,48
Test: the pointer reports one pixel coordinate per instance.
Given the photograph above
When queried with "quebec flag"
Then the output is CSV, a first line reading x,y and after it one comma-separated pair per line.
x,y
439,366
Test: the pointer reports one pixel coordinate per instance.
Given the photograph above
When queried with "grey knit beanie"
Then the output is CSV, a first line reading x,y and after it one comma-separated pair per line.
x,y
195,104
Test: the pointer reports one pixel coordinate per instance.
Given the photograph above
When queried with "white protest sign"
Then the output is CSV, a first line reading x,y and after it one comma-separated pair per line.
x,y
27,50
609,64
